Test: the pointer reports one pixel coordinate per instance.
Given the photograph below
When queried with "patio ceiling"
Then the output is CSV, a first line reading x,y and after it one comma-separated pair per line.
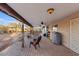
x,y
34,13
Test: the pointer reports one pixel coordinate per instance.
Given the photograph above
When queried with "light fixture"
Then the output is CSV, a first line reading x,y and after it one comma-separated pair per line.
x,y
55,27
50,10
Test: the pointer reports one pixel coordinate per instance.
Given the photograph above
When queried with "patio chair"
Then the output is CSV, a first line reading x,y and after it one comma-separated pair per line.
x,y
36,42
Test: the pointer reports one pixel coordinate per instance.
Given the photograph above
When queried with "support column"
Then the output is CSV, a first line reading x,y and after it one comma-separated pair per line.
x,y
22,35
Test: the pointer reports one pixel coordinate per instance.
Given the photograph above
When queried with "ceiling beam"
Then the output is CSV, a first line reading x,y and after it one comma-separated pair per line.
x,y
11,12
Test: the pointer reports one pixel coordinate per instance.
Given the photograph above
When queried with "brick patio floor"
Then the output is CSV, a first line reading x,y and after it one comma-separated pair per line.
x,y
46,49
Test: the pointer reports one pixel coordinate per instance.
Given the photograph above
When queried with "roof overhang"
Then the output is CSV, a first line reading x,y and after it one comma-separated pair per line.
x,y
11,12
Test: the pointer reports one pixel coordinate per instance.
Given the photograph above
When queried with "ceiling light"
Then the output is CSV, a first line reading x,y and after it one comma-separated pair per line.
x,y
50,10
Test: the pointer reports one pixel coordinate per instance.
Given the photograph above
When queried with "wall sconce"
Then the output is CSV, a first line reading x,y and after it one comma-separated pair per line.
x,y
55,28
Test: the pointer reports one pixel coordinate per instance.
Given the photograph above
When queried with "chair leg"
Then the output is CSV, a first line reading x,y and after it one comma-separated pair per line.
x,y
35,47
30,44
39,45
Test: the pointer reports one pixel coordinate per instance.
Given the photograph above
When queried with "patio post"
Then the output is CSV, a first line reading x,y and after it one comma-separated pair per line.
x,y
22,35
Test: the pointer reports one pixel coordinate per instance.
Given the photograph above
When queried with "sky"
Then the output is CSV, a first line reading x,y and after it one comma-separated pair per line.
x,y
5,19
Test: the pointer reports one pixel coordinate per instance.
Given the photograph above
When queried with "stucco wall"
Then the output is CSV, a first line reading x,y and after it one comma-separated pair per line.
x,y
74,34
69,27
64,28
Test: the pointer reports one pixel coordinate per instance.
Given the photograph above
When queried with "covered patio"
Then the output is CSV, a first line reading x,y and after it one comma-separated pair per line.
x,y
32,15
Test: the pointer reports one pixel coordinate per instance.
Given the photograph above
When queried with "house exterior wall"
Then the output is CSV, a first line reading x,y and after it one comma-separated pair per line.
x,y
64,28
69,27
74,34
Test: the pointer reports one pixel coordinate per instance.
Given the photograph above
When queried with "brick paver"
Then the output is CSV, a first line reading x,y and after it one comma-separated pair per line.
x,y
46,49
